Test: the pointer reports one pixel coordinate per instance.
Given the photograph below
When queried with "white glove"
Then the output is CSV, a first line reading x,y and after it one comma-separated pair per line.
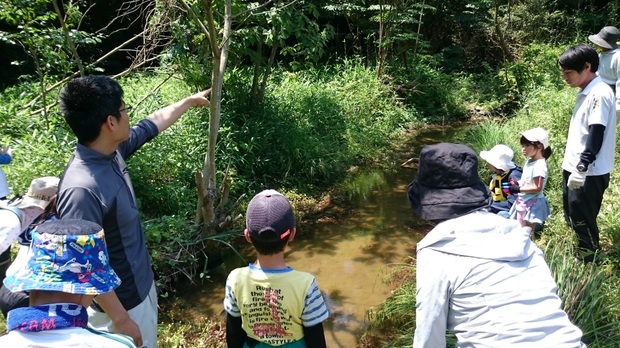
x,y
7,150
576,180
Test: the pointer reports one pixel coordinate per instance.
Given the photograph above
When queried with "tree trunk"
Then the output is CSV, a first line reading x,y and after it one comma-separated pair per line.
x,y
380,54
220,58
272,58
417,39
256,75
500,36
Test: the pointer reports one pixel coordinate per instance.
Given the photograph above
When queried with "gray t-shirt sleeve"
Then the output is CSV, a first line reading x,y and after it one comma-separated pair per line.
x,y
143,132
80,203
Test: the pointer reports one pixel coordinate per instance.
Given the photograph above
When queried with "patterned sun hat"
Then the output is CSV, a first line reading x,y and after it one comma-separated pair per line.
x,y
66,256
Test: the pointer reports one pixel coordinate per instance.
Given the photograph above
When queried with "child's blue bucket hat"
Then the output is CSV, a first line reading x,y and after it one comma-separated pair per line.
x,y
66,256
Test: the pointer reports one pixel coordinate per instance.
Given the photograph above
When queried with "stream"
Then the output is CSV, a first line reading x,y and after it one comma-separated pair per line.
x,y
350,257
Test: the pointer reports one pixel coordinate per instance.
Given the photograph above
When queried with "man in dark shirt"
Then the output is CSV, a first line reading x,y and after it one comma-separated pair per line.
x,y
96,187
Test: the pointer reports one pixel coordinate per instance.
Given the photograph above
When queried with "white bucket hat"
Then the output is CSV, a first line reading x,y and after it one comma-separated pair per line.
x,y
500,157
537,135
40,193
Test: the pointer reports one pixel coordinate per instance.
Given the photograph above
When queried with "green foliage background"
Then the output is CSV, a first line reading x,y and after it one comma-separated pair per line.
x,y
312,127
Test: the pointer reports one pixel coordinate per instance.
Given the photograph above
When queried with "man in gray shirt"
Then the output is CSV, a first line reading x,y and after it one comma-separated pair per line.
x,y
96,187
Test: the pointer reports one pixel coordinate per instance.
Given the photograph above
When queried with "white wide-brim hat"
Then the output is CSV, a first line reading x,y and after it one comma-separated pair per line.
x,y
537,135
500,157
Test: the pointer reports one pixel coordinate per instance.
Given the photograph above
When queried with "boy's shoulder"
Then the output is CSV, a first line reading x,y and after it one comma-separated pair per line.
x,y
282,271
251,272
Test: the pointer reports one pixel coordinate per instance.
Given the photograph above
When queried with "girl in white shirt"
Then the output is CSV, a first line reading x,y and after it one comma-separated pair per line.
x,y
531,208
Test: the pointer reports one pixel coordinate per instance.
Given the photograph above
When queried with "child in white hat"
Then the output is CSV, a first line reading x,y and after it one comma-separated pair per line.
x,y
531,208
505,173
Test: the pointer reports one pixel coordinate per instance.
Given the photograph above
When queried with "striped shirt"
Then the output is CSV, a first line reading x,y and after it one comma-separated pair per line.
x,y
274,304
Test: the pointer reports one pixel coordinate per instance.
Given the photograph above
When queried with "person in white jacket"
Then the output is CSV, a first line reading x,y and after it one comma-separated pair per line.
x,y
609,59
19,213
477,274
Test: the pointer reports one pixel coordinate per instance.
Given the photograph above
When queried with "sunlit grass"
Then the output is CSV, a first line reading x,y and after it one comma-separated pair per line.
x,y
202,333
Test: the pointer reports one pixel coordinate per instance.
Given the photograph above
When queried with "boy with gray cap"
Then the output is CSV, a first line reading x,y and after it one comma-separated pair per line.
x,y
268,303
68,266
477,274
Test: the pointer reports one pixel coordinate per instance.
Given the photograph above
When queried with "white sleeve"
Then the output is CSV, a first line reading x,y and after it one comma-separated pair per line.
x,y
230,300
540,169
20,262
601,106
9,229
432,300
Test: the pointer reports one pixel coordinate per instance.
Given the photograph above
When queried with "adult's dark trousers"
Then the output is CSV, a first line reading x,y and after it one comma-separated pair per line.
x,y
9,300
5,262
581,207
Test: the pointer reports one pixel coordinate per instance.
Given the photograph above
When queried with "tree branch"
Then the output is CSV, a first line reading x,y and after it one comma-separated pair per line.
x,y
75,74
69,40
195,17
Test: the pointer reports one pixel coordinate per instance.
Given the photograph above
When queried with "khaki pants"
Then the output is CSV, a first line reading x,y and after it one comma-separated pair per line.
x,y
144,315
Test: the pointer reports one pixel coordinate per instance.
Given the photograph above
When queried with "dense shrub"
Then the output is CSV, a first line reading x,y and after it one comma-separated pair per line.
x,y
310,129
311,126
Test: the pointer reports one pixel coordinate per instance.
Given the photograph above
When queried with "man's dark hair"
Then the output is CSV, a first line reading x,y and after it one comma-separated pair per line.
x,y
269,246
576,57
86,103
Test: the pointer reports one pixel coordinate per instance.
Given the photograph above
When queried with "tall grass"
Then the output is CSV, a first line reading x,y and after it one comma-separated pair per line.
x,y
392,324
585,290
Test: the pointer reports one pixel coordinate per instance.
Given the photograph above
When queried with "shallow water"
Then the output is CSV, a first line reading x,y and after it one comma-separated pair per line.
x,y
349,257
